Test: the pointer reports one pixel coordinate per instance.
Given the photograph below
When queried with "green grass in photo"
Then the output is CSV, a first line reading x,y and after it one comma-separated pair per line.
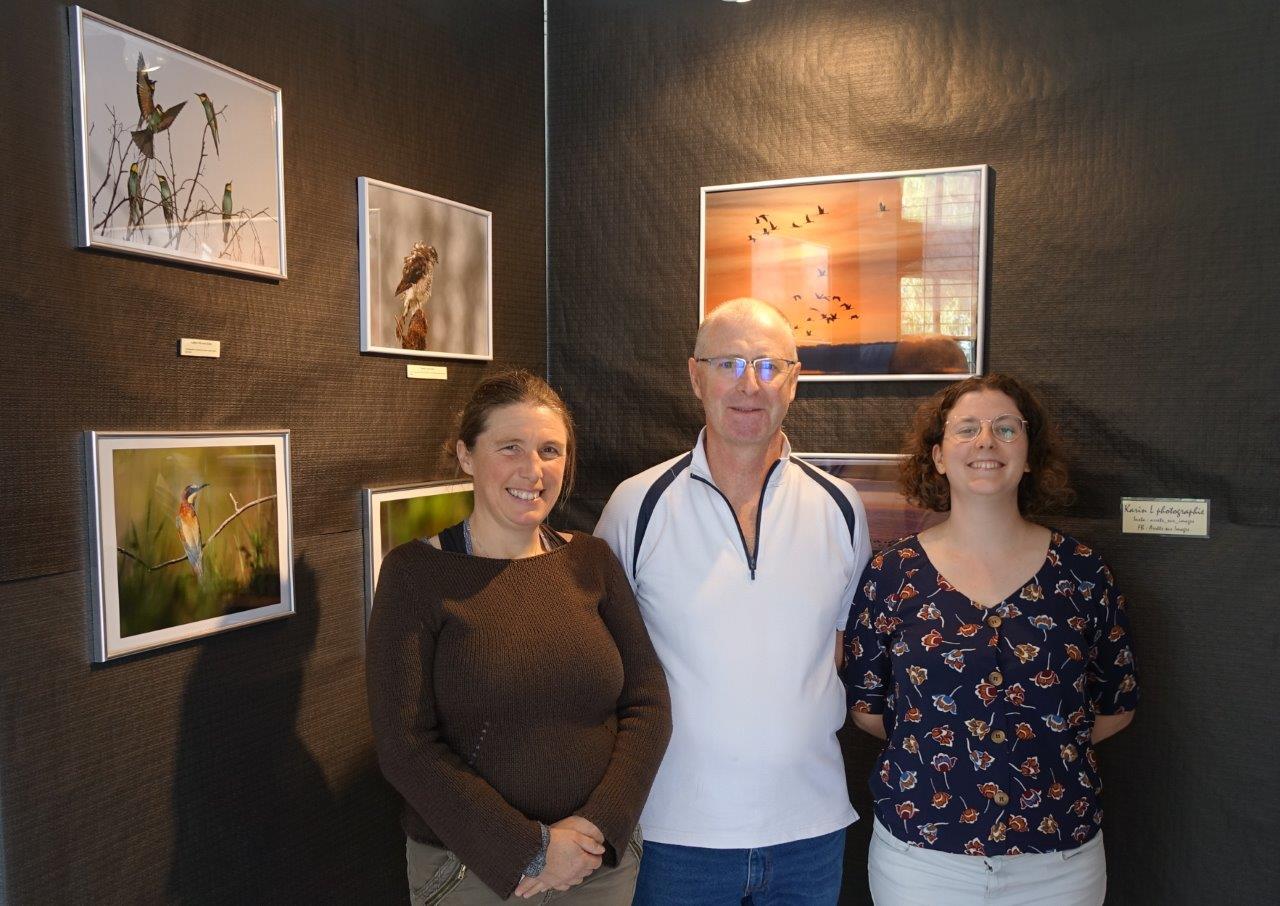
x,y
421,517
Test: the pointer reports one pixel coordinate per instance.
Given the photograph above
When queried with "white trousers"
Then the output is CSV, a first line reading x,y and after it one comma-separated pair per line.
x,y
904,875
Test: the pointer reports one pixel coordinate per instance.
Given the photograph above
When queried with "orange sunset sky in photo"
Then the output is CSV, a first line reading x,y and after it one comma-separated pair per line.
x,y
855,253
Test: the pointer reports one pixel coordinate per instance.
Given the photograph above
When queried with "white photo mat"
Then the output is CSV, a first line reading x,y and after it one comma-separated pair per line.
x,y
108,641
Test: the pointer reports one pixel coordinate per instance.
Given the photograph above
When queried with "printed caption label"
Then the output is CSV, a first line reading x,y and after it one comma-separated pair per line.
x,y
203,349
428,372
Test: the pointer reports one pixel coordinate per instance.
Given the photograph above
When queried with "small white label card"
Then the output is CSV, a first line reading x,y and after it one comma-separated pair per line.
x,y
1182,517
428,372
204,349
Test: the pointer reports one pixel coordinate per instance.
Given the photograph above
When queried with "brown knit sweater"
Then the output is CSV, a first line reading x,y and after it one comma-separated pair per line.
x,y
507,692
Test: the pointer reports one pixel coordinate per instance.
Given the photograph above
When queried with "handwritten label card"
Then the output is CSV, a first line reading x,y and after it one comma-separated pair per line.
x,y
1182,517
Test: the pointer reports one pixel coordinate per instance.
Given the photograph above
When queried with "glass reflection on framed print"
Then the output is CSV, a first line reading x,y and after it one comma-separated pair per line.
x,y
177,157
875,477
191,535
882,276
393,516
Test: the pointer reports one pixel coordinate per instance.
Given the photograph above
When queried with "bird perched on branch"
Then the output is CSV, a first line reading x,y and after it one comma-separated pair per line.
x,y
135,196
189,529
152,117
227,210
210,117
415,288
166,201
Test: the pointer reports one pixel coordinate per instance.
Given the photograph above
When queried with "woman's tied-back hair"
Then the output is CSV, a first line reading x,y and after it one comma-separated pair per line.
x,y
507,388
1042,490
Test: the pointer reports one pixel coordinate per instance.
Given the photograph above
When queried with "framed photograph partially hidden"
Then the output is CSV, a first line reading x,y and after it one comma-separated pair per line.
x,y
426,274
393,516
882,276
177,157
192,535
875,476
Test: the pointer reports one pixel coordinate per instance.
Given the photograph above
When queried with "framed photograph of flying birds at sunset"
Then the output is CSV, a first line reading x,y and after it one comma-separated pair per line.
x,y
192,535
881,276
890,515
177,157
394,516
426,274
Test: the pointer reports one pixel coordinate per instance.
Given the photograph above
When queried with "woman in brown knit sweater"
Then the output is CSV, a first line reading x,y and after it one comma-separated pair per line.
x,y
516,699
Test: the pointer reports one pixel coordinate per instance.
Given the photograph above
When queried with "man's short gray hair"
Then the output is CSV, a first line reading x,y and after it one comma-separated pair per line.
x,y
741,310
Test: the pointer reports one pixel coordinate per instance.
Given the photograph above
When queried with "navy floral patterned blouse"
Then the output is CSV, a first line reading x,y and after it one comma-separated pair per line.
x,y
989,710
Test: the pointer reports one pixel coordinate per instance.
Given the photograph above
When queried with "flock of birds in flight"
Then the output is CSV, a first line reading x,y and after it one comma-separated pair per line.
x,y
829,317
773,227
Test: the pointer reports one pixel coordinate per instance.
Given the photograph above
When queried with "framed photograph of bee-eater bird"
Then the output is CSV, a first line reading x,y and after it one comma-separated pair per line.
x,y
177,157
881,276
393,516
426,274
192,535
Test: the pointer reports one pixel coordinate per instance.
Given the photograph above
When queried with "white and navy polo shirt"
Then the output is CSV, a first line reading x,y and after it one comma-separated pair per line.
x,y
747,642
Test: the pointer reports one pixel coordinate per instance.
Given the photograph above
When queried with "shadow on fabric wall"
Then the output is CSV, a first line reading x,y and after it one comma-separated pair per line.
x,y
860,752
255,820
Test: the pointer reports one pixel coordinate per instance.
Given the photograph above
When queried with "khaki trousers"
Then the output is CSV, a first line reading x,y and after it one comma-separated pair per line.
x,y
437,876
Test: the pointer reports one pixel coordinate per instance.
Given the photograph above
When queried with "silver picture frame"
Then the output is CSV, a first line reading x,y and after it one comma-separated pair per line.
x,y
882,276
426,274
179,158
191,534
395,515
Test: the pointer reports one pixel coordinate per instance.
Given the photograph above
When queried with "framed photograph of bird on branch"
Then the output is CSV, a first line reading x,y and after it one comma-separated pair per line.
x,y
393,516
177,157
426,274
882,276
192,535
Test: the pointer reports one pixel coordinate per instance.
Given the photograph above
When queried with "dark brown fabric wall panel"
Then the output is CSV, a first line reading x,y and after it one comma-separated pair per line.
x,y
441,97
238,768
233,769
1134,257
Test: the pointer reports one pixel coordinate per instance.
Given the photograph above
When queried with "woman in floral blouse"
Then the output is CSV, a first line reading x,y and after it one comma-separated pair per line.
x,y
992,654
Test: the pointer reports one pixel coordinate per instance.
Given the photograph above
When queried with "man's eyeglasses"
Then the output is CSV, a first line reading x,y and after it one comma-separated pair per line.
x,y
733,367
1006,428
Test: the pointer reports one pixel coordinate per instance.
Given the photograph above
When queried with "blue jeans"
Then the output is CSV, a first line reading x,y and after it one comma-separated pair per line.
x,y
799,873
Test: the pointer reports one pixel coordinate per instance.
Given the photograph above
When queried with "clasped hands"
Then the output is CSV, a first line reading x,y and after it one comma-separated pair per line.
x,y
574,852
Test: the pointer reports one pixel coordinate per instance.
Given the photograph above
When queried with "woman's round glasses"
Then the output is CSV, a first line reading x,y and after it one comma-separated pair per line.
x,y
1006,428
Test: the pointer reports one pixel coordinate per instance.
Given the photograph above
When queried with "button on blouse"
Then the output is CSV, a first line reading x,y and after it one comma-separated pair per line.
x,y
989,710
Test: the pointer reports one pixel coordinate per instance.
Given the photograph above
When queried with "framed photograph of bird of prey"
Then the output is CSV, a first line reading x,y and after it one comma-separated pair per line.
x,y
426,274
192,535
890,515
881,276
177,157
393,516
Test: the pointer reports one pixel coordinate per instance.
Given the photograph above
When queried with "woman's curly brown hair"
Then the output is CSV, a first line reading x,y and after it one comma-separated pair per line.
x,y
1042,490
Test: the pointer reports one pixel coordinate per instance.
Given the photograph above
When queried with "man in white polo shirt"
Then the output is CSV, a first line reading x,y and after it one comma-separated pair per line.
x,y
744,562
